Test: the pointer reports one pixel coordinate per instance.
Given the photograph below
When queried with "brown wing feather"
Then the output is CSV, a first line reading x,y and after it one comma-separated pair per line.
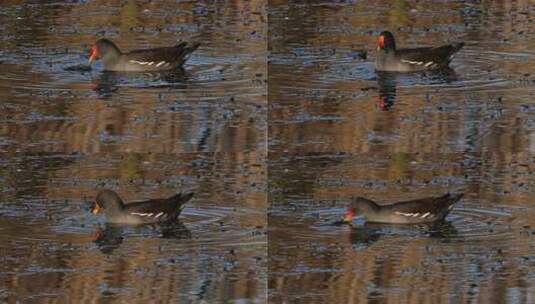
x,y
440,56
170,206
430,204
174,55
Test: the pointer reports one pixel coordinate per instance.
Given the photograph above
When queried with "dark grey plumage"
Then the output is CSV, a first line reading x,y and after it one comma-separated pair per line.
x,y
151,211
389,58
424,210
155,59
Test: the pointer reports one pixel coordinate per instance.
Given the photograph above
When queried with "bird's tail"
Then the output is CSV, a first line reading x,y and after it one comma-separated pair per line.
x,y
180,200
182,197
450,199
458,46
187,49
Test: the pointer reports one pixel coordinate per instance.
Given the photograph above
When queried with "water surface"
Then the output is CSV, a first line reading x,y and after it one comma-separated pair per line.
x,y
68,132
338,129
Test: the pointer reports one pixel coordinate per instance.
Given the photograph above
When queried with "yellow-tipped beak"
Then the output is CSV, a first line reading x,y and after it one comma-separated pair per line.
x,y
96,208
347,218
93,52
92,58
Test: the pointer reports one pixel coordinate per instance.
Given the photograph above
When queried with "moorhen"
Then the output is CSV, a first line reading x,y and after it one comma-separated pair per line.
x,y
147,60
424,210
412,60
146,212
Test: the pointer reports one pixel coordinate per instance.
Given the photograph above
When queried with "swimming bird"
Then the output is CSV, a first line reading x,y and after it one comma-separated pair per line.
x,y
391,59
424,210
145,212
146,60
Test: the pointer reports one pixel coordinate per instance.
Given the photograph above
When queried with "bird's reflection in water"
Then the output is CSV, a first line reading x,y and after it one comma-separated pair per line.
x,y
365,236
443,230
369,233
108,82
387,89
111,236
175,230
388,82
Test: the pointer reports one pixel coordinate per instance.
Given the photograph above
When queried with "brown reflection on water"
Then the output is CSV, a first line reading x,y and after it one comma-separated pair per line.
x,y
332,137
66,134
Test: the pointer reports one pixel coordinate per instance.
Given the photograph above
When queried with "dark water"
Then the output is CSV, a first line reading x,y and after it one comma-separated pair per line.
x,y
68,132
304,130
337,129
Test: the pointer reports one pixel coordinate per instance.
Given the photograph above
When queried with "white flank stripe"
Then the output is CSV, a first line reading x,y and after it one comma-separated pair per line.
x,y
140,214
429,63
158,215
411,62
426,214
141,62
405,214
160,63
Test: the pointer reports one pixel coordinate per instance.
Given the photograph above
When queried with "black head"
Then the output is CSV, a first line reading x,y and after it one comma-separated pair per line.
x,y
358,206
386,41
105,50
107,201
